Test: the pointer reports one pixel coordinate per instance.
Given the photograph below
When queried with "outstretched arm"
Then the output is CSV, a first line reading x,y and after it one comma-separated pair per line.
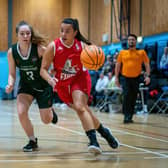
x,y
12,72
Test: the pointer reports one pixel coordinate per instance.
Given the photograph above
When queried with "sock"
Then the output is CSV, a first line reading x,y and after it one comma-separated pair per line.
x,y
32,138
92,136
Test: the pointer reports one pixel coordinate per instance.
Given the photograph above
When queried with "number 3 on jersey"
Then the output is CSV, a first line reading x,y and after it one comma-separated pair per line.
x,y
30,75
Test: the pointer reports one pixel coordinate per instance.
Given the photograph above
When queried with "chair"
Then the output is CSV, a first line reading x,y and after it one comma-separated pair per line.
x,y
110,99
141,105
161,103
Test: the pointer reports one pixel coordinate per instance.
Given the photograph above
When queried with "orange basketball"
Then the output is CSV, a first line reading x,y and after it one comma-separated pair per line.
x,y
92,57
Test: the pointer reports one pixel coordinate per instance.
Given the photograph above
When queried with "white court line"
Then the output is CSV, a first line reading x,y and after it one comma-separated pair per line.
x,y
129,146
72,153
116,130
47,160
142,136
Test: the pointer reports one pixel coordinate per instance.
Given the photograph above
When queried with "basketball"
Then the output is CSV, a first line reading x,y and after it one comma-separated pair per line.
x,y
92,57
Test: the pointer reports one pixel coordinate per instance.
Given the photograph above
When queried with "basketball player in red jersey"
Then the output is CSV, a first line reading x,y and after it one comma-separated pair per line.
x,y
72,82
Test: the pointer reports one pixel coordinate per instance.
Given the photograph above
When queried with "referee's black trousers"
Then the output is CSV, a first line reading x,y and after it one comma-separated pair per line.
x,y
130,91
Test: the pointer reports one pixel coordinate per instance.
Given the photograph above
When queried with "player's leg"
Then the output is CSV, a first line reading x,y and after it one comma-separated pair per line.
x,y
45,101
48,115
80,106
104,131
23,103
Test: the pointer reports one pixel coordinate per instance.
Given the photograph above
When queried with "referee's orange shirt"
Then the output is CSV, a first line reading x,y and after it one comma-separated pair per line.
x,y
132,61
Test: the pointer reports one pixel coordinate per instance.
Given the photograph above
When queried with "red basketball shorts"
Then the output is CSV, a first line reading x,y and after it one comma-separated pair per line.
x,y
81,82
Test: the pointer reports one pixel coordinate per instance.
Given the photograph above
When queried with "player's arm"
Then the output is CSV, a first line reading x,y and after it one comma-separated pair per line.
x,y
12,72
47,60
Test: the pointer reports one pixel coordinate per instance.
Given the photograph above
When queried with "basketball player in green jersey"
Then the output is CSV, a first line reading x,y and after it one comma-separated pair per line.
x,y
27,54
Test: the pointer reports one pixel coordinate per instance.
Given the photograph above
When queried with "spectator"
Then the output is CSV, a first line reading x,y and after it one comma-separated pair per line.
x,y
101,83
164,60
111,82
108,65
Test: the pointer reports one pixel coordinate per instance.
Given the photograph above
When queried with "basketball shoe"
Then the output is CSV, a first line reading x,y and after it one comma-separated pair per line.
x,y
94,148
31,146
107,135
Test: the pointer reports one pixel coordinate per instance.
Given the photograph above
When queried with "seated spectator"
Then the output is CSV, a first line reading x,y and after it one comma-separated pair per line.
x,y
101,84
164,60
108,65
114,88
111,82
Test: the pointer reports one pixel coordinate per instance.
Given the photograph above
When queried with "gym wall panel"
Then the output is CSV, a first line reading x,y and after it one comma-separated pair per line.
x,y
100,20
45,16
135,17
80,9
161,16
3,25
154,17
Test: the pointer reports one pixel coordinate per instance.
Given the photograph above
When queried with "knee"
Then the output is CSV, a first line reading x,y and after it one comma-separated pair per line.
x,y
80,108
22,114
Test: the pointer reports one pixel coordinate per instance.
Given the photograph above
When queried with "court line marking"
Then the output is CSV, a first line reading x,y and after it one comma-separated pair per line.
x,y
145,132
142,136
72,153
129,146
116,130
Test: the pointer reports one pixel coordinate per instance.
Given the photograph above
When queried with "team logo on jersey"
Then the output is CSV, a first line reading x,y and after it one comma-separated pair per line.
x,y
60,48
68,70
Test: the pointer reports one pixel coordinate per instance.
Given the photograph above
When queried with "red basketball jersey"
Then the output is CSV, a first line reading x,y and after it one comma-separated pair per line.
x,y
69,70
67,60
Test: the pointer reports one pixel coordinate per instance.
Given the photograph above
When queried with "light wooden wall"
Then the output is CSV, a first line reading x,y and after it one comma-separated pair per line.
x,y
46,15
80,9
100,21
134,17
3,25
43,15
94,22
154,16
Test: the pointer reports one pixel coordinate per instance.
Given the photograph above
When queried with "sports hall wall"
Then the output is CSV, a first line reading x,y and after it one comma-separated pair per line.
x,y
94,17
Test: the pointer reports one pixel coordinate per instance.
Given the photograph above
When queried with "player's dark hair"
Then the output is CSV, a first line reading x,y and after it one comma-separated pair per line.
x,y
75,25
36,37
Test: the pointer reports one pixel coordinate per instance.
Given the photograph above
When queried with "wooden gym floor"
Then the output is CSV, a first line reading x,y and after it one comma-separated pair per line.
x,y
143,143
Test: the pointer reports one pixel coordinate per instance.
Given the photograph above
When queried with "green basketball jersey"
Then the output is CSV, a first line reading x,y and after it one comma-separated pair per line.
x,y
29,66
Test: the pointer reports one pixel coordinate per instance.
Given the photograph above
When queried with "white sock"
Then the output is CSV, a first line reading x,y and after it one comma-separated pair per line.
x,y
32,138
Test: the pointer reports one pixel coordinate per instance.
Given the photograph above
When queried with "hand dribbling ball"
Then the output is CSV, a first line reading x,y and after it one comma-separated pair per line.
x,y
92,57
